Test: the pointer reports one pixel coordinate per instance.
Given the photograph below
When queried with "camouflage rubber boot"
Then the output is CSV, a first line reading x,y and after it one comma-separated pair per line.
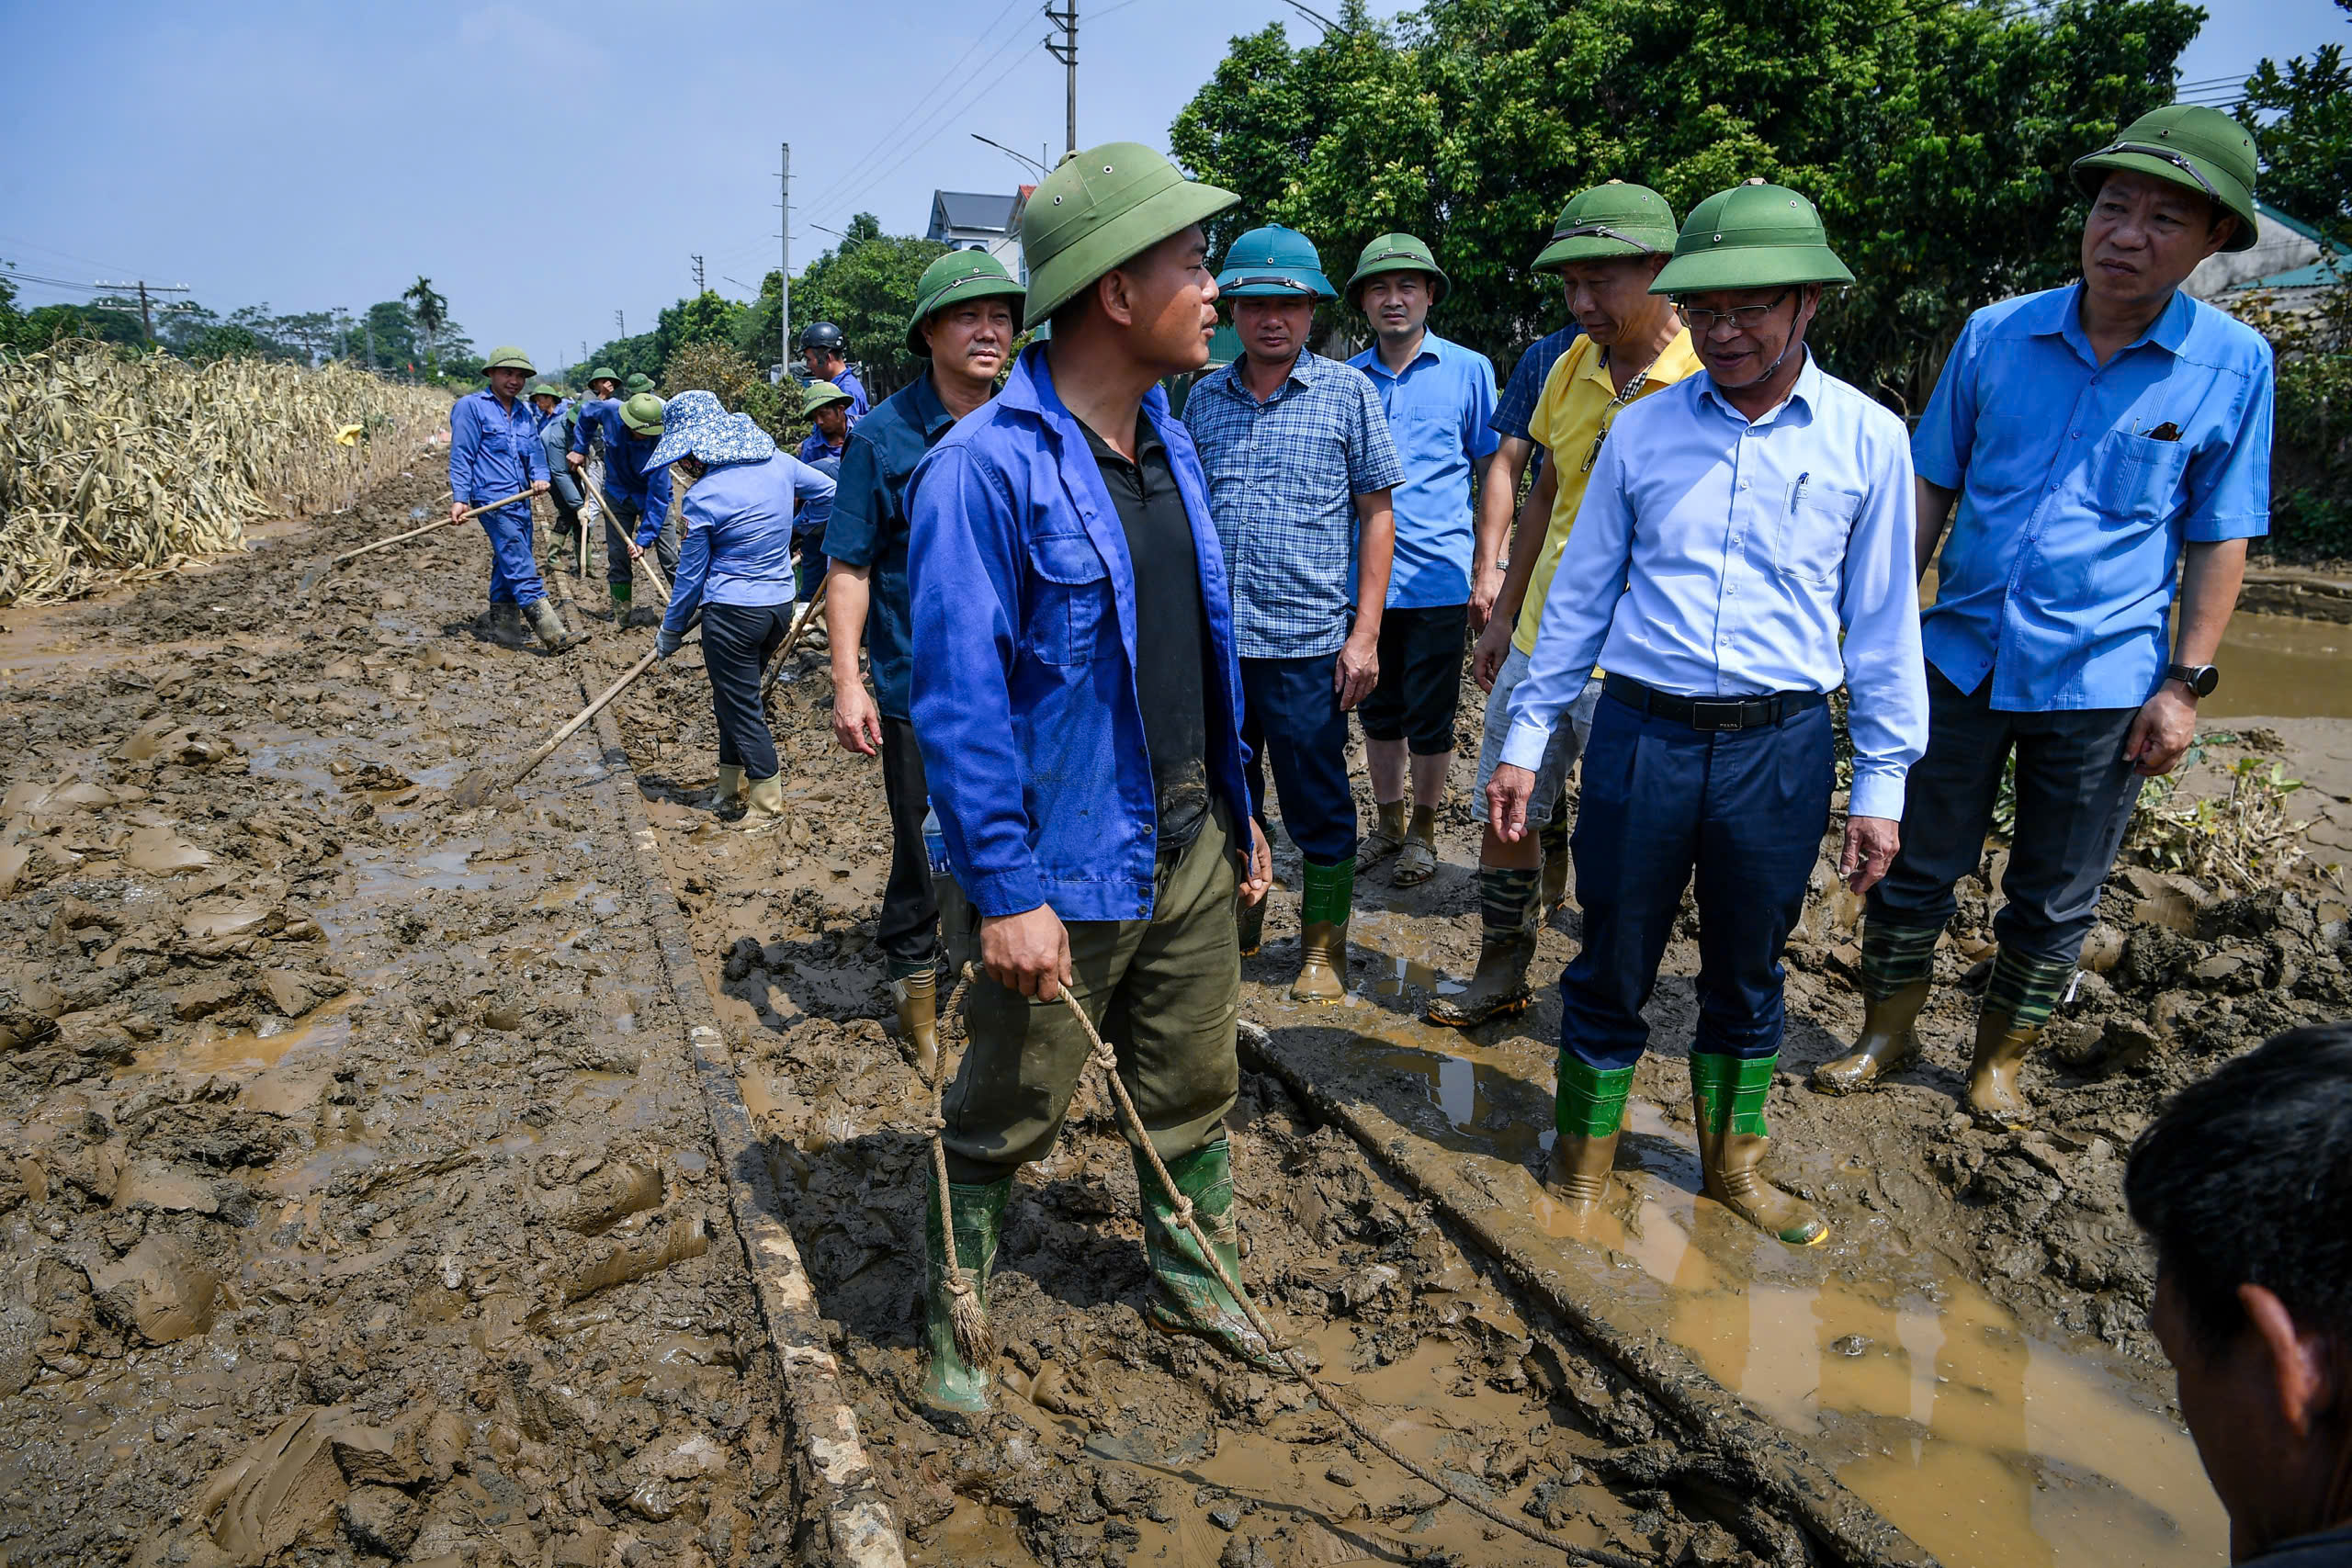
x,y
1588,1113
951,1384
1506,911
1185,1295
1323,910
1557,862
1727,1099
2019,999
1897,964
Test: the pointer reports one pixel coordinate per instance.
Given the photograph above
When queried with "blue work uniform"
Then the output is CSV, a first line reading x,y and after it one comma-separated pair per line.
x,y
494,451
808,529
848,382
640,494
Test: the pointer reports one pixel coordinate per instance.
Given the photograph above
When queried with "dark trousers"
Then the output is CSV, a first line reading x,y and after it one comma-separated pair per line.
x,y
1291,716
2075,795
1746,810
621,521
808,565
738,641
908,927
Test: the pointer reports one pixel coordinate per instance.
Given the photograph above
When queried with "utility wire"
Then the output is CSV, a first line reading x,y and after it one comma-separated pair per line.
x,y
1018,62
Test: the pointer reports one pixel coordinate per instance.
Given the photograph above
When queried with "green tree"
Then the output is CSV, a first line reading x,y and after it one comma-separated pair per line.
x,y
392,331
865,286
431,310
1934,136
2301,121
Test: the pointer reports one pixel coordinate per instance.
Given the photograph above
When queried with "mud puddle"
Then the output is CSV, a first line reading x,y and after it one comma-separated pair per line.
x,y
2282,666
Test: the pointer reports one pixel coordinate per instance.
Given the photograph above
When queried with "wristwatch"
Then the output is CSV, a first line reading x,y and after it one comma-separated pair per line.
x,y
2200,678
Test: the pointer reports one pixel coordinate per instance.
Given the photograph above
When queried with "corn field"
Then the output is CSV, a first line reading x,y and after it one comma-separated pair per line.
x,y
115,469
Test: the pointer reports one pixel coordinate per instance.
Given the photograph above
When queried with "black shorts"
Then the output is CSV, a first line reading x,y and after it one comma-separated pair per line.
x,y
1420,678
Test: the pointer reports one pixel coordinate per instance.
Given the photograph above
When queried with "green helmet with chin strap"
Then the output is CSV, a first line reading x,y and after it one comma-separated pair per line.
x,y
604,373
643,413
1751,236
1607,222
954,278
2184,144
1099,209
1398,252
506,357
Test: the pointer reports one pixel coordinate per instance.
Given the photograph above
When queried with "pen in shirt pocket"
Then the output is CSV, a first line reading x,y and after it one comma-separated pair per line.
x,y
1796,496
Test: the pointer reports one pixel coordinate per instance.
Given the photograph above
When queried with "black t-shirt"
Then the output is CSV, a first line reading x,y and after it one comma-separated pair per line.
x,y
1171,630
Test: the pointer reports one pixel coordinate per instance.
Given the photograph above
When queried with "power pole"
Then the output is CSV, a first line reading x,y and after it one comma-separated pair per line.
x,y
146,313
620,324
1066,50
698,283
784,278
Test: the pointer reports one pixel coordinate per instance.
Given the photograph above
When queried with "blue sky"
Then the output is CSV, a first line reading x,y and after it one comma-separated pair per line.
x,y
313,155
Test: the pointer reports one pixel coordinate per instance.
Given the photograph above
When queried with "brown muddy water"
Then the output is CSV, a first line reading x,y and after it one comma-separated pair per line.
x,y
2282,666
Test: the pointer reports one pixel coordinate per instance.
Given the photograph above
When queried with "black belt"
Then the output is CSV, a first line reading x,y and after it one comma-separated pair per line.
x,y
1712,714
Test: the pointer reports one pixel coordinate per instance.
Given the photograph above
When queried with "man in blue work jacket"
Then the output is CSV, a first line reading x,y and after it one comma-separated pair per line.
x,y
824,349
826,408
1082,739
2105,442
556,416
636,493
494,453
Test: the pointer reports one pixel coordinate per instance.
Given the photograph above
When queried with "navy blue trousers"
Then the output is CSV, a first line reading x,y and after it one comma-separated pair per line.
x,y
513,573
738,641
1660,801
1291,716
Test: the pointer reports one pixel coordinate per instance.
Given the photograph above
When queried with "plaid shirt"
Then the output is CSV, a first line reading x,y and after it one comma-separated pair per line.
x,y
1284,476
1515,409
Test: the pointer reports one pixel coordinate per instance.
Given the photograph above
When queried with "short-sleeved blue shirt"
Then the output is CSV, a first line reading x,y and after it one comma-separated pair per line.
x,y
868,525
1515,409
1437,413
2079,483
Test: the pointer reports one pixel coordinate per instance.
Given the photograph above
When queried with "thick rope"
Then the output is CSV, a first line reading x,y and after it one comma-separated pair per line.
x,y
966,1316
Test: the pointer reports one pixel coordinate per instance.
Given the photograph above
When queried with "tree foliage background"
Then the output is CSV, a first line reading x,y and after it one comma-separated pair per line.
x,y
1935,137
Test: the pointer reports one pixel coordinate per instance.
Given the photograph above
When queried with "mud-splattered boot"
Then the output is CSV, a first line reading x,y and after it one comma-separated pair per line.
x,y
1185,1295
917,998
1727,1099
951,1385
502,624
1556,860
729,790
2019,999
763,806
1588,1113
1387,835
622,592
1507,911
1898,962
1417,857
1323,909
1249,926
550,627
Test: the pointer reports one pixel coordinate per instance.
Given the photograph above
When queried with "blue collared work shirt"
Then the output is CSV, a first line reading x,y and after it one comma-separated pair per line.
x,y
626,479
815,450
1284,476
2079,482
1714,556
738,548
494,452
848,382
868,527
1438,412
1024,651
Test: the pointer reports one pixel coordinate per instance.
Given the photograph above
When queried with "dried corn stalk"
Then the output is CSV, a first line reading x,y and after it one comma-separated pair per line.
x,y
116,468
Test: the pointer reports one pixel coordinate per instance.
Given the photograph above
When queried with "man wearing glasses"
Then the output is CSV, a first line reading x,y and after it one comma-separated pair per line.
x,y
1608,248
1734,526
2103,441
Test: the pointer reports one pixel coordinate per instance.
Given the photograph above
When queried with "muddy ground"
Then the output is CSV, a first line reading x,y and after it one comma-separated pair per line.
x,y
359,1204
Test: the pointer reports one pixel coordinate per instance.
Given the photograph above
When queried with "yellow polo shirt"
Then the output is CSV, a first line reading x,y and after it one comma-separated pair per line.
x,y
1567,416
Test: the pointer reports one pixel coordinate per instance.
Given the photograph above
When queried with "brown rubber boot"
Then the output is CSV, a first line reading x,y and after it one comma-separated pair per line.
x,y
917,997
1323,908
1996,1090
1387,835
1417,859
1887,1042
1727,1099
1498,989
730,789
1587,1114
763,806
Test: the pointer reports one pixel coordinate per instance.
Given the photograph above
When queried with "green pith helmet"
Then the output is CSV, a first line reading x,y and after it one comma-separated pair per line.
x,y
1751,236
1607,222
1398,252
641,382
818,394
604,373
1101,207
952,280
2202,148
506,357
541,389
1274,263
642,413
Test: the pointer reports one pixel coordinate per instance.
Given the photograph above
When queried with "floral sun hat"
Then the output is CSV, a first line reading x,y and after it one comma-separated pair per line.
x,y
695,423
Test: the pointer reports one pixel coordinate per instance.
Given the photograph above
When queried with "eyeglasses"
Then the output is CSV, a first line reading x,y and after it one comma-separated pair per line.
x,y
2163,156
1746,318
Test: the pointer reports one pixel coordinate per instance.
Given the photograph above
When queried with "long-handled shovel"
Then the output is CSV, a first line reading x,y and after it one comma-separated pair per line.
x,y
332,561
791,640
480,783
653,571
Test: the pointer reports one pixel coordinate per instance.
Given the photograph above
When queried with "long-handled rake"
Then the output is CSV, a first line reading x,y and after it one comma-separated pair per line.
x,y
481,783
332,561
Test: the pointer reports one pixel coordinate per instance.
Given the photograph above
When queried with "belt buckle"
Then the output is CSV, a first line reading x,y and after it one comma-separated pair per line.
x,y
1717,717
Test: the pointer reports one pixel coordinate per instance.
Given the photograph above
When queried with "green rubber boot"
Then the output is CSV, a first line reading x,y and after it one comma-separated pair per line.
x,y
1323,908
951,1384
1727,1099
1186,1297
621,596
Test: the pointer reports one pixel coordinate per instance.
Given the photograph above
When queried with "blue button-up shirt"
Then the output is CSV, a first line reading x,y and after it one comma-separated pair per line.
x,y
848,382
868,527
1714,556
1284,476
626,479
738,548
494,452
825,458
1515,409
2078,483
1437,411
1025,653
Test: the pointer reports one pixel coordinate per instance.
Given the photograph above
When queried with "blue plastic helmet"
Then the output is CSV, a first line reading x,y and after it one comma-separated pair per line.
x,y
1271,262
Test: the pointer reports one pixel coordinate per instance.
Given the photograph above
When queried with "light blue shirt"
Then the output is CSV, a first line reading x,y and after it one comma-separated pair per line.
x,y
738,548
1437,411
1717,557
2078,485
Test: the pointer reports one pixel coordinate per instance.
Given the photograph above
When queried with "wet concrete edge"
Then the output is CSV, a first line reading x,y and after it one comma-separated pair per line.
x,y
1783,1468
860,1529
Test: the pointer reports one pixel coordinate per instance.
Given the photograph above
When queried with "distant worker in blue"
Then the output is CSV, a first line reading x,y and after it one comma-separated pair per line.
x,y
735,565
636,493
557,414
494,452
967,312
826,407
825,351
